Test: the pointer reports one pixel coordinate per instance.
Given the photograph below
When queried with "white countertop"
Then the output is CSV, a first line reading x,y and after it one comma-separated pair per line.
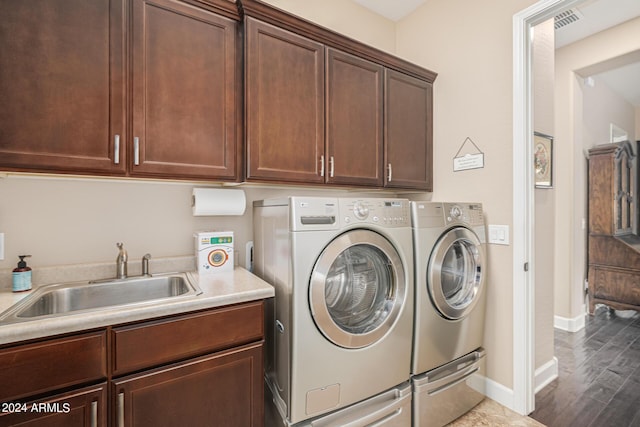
x,y
217,290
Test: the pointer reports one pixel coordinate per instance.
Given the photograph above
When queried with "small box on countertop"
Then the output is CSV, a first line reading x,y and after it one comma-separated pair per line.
x,y
214,252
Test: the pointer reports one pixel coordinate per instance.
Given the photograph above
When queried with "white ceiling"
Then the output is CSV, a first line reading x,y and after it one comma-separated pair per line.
x,y
595,16
394,10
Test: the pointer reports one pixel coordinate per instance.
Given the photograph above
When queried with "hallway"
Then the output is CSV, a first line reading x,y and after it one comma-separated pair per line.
x,y
598,380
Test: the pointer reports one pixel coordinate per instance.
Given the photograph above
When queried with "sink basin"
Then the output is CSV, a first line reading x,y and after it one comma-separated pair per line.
x,y
62,299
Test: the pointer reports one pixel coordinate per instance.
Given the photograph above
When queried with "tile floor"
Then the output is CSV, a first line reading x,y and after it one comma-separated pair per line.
x,y
491,414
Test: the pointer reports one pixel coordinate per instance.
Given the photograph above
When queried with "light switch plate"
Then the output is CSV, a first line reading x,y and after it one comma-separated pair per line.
x,y
499,234
1,246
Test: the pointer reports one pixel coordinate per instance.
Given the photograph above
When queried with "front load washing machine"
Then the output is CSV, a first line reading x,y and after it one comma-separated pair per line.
x,y
340,327
448,358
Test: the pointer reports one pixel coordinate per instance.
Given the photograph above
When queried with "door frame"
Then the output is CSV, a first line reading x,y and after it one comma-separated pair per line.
x,y
523,201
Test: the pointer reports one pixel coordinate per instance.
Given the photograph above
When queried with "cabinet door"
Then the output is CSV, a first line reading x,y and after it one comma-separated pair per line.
x,y
223,389
354,120
62,85
285,105
79,408
186,120
408,132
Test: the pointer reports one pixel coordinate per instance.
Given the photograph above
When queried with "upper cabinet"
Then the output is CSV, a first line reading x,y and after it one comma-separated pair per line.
x,y
322,108
408,132
354,93
284,76
62,80
185,89
186,93
78,98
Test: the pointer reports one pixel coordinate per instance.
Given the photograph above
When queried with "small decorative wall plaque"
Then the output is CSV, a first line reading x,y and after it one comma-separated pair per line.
x,y
474,160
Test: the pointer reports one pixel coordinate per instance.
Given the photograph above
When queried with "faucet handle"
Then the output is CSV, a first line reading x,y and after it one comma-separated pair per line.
x,y
145,265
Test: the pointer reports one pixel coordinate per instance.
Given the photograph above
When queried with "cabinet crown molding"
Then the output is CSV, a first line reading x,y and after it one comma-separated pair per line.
x,y
272,15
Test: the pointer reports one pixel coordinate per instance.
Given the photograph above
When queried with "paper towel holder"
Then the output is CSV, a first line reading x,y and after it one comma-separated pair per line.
x,y
218,202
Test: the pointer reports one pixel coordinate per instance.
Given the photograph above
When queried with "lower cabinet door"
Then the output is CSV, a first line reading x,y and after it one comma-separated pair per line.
x,y
221,389
85,407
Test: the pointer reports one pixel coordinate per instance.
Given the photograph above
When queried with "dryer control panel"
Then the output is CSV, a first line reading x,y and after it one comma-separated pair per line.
x,y
467,213
385,212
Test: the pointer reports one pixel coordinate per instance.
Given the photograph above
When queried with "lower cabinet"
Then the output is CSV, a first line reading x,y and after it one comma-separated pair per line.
x,y
86,407
223,389
196,369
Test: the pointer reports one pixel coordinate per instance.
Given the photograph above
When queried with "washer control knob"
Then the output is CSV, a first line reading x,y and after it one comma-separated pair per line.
x,y
360,210
455,212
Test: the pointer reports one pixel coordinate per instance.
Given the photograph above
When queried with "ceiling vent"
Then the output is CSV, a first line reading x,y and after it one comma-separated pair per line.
x,y
568,17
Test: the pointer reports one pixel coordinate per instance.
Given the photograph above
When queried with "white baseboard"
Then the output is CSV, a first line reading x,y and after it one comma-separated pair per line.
x,y
545,374
499,393
570,325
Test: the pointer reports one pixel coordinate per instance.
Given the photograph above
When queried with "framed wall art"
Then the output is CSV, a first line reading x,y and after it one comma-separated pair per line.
x,y
543,160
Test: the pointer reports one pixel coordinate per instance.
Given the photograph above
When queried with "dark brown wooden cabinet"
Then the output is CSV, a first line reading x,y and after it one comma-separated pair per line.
x,y
78,98
408,132
614,246
354,139
62,80
363,119
222,389
284,75
86,407
203,368
186,94
154,88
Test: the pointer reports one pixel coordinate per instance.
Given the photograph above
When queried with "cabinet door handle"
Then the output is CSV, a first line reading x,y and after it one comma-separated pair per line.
x,y
116,149
94,414
331,166
322,165
136,151
120,409
390,170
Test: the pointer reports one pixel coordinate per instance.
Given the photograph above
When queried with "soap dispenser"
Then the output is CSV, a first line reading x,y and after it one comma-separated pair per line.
x,y
22,275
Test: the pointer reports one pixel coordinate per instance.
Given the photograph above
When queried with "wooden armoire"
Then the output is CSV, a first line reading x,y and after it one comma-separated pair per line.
x,y
614,244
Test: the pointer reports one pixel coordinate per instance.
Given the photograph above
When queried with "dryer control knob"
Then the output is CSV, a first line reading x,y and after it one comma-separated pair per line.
x,y
360,210
455,212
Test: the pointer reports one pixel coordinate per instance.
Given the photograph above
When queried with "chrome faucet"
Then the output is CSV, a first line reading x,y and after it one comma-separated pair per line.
x,y
145,265
121,262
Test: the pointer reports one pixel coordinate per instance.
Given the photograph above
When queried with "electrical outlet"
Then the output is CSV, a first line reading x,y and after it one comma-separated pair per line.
x,y
1,246
499,234
248,260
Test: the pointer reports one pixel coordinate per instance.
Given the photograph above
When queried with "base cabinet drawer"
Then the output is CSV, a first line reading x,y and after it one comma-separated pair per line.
x,y
81,408
223,389
37,368
148,344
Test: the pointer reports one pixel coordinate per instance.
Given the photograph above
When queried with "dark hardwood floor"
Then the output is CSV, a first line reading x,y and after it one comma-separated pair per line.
x,y
598,380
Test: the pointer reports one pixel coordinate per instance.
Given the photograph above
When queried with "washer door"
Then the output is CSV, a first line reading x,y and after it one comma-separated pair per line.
x,y
454,275
357,289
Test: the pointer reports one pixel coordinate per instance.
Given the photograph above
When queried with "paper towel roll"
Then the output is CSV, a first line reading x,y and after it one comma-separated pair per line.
x,y
216,201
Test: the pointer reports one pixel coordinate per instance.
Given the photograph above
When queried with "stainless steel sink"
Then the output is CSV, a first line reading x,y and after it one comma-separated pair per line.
x,y
60,299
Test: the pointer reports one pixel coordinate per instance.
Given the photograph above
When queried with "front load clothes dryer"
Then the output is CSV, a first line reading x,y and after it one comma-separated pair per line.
x,y
340,326
449,314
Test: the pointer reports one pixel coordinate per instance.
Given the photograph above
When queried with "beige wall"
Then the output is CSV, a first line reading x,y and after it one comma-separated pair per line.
x,y
543,122
347,18
608,49
469,45
64,220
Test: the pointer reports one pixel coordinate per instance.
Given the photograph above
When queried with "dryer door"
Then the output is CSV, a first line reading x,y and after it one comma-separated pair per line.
x,y
455,273
357,289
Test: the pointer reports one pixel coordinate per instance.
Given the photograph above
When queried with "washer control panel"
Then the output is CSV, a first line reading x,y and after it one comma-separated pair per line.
x,y
386,212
